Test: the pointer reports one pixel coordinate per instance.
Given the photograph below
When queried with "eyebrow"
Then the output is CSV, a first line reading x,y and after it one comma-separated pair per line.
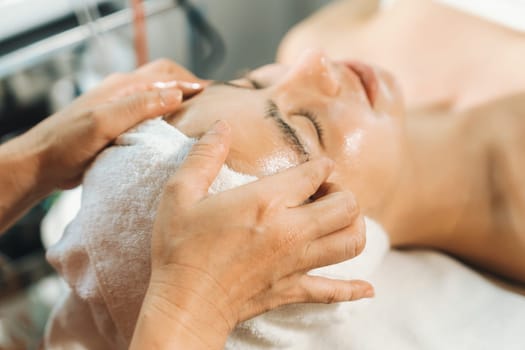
x,y
255,84
273,112
227,83
288,132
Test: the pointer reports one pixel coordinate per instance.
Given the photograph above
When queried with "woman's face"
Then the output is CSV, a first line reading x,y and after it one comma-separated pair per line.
x,y
281,116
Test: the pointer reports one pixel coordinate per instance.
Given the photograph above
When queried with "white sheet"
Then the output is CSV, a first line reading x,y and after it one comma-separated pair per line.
x,y
424,300
427,300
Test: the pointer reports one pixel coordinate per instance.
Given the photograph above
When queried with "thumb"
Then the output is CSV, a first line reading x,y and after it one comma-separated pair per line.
x,y
195,176
118,116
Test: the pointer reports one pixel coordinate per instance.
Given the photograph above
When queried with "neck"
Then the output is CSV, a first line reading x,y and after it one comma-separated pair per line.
x,y
439,184
462,191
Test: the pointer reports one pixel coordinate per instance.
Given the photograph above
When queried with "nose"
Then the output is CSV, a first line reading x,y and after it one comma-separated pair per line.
x,y
314,70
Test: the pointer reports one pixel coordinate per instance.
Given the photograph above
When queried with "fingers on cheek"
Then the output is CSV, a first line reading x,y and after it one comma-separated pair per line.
x,y
332,213
360,234
265,212
349,242
336,247
304,180
325,189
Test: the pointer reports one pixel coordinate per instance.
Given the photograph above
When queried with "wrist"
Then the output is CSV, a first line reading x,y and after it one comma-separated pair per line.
x,y
25,158
175,318
20,177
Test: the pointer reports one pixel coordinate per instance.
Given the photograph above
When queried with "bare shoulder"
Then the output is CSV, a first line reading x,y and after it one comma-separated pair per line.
x,y
500,128
506,155
484,154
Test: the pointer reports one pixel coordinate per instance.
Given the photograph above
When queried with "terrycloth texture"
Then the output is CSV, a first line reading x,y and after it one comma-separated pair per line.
x,y
301,326
105,252
427,300
424,300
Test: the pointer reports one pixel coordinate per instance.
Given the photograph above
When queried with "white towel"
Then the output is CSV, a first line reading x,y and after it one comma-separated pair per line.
x,y
424,300
105,253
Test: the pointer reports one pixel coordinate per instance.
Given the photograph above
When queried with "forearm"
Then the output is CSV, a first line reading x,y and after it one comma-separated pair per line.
x,y
20,185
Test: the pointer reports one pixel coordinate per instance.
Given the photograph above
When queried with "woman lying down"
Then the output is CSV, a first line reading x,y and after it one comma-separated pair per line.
x,y
280,117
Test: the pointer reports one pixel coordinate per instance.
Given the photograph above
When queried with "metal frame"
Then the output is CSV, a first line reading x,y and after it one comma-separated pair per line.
x,y
47,48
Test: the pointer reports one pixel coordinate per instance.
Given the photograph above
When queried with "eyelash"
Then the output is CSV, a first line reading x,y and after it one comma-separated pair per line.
x,y
303,112
313,118
256,85
272,110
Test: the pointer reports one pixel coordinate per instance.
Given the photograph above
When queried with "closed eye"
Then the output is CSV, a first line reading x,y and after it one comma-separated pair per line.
x,y
288,132
315,121
256,85
252,84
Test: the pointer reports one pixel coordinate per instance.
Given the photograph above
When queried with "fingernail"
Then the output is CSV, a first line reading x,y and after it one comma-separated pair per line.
x,y
177,83
369,293
191,86
219,127
170,97
165,84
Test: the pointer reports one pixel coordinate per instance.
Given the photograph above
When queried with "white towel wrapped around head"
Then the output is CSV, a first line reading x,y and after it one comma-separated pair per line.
x,y
104,254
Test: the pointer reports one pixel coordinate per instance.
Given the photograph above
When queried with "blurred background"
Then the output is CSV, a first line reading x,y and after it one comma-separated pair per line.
x,y
51,51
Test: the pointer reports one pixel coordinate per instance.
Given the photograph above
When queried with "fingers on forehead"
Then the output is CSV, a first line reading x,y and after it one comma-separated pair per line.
x,y
203,163
165,67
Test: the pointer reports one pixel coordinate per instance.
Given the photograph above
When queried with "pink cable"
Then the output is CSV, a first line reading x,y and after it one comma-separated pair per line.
x,y
139,31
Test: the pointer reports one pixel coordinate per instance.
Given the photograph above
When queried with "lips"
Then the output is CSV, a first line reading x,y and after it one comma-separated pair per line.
x,y
368,78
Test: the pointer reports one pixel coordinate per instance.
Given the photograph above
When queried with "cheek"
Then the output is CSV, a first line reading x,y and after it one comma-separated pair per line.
x,y
192,122
384,156
277,162
370,162
259,151
260,163
354,143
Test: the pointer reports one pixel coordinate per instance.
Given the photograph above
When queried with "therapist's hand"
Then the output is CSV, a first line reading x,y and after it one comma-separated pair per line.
x,y
67,142
220,259
57,151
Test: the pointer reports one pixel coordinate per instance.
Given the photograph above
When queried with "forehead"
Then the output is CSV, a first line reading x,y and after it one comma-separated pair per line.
x,y
269,73
257,144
